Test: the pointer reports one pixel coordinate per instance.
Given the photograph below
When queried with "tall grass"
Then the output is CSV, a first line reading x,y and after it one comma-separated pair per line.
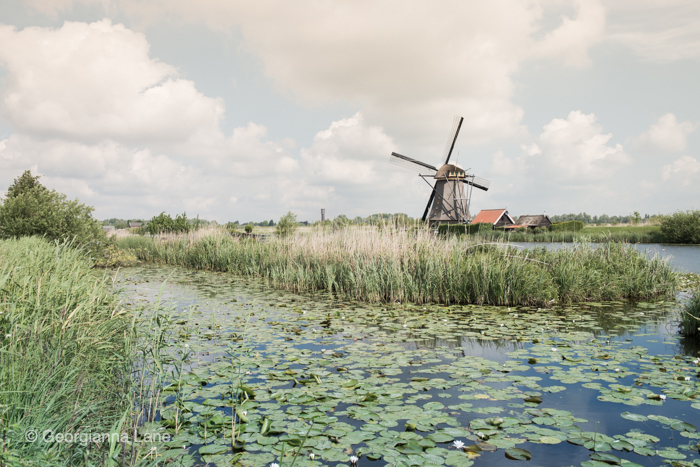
x,y
64,352
690,316
395,265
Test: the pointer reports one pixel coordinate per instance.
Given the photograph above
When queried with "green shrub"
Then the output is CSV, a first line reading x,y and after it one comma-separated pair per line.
x,y
452,229
568,226
681,227
287,225
248,228
482,227
32,209
163,223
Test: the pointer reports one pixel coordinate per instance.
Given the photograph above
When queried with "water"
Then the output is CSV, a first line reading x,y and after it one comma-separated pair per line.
x,y
362,373
684,258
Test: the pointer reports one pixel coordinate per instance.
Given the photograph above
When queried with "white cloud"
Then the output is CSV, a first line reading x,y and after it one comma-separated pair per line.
x,y
685,171
90,82
667,134
656,30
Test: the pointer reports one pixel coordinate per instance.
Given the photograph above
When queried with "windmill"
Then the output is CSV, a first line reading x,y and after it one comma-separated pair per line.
x,y
451,195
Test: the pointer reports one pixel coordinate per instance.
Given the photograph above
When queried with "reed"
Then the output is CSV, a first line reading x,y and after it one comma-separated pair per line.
x,y
690,316
416,266
64,355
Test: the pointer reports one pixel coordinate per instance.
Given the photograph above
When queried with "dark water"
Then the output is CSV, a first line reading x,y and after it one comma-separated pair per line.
x,y
481,354
684,258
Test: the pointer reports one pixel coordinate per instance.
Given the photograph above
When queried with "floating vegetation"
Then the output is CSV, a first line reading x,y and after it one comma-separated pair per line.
x,y
417,267
272,377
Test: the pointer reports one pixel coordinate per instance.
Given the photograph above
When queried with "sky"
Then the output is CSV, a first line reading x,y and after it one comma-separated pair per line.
x,y
238,110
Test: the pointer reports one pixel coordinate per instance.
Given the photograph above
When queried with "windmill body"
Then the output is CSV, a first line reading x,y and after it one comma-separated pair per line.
x,y
451,192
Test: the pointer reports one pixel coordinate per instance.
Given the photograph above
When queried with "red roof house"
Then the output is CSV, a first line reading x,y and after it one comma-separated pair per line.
x,y
497,217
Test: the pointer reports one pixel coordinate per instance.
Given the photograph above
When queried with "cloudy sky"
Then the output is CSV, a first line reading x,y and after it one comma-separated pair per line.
x,y
240,110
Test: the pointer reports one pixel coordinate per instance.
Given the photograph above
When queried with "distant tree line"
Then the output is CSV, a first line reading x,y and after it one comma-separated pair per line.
x,y
634,218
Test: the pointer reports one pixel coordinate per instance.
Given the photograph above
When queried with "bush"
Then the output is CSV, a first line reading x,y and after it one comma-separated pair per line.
x,y
452,229
681,227
32,209
287,225
163,223
569,226
482,227
248,228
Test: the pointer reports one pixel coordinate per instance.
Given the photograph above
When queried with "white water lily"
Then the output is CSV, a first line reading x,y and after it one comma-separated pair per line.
x,y
554,349
312,455
458,444
515,315
354,459
662,397
501,324
405,325
303,312
248,373
274,465
508,309
687,378
617,370
694,361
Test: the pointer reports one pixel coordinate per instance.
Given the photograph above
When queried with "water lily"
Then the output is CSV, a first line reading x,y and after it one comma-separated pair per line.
x,y
515,315
554,349
245,413
354,459
687,378
617,370
303,312
501,324
662,397
458,444
312,455
274,465
694,361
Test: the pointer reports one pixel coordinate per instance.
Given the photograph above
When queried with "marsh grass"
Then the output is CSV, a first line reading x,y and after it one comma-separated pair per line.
x,y
690,316
74,361
627,234
63,352
415,266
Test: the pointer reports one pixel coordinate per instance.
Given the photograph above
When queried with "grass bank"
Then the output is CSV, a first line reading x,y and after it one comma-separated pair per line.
x,y
391,266
625,234
65,355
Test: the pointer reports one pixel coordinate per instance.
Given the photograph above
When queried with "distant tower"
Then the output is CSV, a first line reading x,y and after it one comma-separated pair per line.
x,y
323,215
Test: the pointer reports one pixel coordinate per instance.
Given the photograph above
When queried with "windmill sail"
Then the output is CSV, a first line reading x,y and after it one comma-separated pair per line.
x,y
454,132
477,182
412,164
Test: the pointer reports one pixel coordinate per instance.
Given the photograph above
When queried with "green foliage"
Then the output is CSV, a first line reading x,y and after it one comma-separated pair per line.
x,y
248,228
287,225
23,184
452,229
64,353
568,226
480,228
690,316
163,223
681,227
31,209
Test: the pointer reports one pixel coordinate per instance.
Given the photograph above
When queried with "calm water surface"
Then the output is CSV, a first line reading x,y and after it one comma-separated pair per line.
x,y
445,369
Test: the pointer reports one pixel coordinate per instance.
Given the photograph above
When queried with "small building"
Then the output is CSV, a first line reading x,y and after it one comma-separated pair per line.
x,y
540,220
134,224
497,217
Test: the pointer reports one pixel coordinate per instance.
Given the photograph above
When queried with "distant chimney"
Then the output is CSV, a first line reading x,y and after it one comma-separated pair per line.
x,y
323,215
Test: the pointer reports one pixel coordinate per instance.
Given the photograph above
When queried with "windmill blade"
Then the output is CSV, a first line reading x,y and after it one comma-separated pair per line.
x,y
477,182
418,166
456,125
430,201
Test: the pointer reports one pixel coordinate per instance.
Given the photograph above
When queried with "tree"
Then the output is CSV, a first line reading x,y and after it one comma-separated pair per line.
x,y
32,209
681,227
287,225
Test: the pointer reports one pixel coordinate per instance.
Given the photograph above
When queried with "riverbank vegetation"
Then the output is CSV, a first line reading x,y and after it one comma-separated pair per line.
x,y
64,353
402,266
690,316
